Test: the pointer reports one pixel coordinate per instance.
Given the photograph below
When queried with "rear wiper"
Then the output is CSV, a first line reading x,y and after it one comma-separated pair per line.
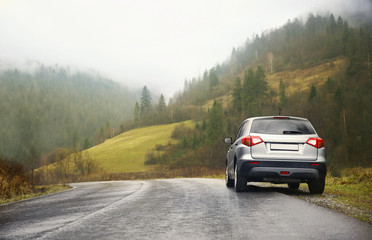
x,y
292,132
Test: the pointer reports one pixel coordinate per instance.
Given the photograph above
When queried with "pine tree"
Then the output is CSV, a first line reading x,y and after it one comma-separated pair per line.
x,y
86,143
254,91
260,82
260,90
331,28
145,102
136,113
340,22
215,124
107,129
205,76
237,95
350,51
345,37
338,97
161,104
282,95
312,93
248,91
213,80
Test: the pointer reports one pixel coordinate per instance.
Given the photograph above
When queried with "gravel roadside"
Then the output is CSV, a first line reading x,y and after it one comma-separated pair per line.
x,y
325,200
331,201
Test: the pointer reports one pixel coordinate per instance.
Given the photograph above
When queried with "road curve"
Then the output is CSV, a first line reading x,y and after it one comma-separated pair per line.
x,y
173,209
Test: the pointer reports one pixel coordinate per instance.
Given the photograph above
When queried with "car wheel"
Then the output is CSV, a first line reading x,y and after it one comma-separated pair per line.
x,y
293,186
316,186
229,182
240,182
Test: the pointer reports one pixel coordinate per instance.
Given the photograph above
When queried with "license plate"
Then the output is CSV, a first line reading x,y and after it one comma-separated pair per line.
x,y
285,147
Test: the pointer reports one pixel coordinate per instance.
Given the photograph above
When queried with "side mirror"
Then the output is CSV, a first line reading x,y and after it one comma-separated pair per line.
x,y
228,140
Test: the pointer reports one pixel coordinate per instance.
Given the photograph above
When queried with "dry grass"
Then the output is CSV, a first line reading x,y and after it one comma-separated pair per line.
x,y
350,193
354,188
225,100
301,79
298,80
39,191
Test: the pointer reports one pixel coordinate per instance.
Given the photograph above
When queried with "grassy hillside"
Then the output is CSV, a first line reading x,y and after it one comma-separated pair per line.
x,y
325,67
126,152
297,80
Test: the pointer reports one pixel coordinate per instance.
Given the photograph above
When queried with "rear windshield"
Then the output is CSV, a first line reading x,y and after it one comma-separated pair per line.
x,y
282,126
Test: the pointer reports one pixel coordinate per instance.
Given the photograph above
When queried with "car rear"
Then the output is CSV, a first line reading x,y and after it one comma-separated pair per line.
x,y
282,150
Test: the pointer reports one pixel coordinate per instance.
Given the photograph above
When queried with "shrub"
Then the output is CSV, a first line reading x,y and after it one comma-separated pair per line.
x,y
13,179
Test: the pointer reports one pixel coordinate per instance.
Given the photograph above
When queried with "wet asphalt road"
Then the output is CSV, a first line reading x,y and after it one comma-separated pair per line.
x,y
173,209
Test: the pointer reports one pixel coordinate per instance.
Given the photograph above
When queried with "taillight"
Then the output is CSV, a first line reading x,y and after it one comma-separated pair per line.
x,y
278,117
251,141
316,142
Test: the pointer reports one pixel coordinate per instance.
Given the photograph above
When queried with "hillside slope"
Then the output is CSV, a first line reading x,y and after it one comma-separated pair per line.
x,y
296,80
126,152
55,107
301,79
325,68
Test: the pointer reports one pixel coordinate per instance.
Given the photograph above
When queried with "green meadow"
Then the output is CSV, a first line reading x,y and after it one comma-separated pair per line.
x,y
126,152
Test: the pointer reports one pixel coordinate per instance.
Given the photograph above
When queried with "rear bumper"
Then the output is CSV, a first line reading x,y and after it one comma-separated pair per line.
x,y
281,171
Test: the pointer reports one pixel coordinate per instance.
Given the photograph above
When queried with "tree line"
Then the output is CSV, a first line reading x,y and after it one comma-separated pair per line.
x,y
147,112
340,109
54,107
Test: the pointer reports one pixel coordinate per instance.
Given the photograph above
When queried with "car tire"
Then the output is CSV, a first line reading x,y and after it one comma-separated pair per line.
x,y
316,186
240,183
293,186
229,182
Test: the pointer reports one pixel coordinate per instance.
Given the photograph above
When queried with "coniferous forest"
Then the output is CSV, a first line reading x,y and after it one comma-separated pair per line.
x,y
53,107
319,68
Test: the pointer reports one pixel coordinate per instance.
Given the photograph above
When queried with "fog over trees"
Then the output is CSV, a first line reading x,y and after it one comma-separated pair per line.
x,y
339,106
54,107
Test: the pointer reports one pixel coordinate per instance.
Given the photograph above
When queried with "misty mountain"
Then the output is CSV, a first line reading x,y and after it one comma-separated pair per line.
x,y
44,108
318,68
26,65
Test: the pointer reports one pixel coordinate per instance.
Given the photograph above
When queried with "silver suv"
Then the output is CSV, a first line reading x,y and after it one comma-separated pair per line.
x,y
276,149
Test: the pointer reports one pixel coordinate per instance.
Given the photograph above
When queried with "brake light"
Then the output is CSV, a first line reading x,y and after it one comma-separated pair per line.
x,y
251,140
281,117
316,142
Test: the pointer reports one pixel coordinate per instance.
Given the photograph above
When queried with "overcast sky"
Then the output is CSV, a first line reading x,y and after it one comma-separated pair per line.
x,y
159,43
